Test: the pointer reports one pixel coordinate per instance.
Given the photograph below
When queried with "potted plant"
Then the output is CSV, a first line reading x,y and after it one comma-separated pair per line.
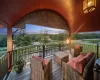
x,y
18,65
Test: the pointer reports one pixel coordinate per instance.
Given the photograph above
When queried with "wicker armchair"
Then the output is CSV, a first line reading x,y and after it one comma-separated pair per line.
x,y
70,73
40,72
76,51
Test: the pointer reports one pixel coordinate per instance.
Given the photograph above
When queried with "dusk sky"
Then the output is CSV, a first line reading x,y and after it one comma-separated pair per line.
x,y
35,29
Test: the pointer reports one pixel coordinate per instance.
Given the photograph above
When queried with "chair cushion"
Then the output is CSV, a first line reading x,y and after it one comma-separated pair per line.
x,y
44,61
83,54
72,64
88,56
78,57
78,63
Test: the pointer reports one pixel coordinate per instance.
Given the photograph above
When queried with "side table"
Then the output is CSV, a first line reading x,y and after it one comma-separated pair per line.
x,y
60,56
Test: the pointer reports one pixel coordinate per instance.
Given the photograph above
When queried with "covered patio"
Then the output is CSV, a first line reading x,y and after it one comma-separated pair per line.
x,y
25,75
69,15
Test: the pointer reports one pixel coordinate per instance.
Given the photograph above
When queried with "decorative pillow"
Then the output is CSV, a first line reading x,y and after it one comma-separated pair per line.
x,y
77,46
72,64
44,61
78,64
78,57
83,54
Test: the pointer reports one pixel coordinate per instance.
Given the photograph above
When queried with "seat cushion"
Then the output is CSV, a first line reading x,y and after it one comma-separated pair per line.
x,y
78,57
78,63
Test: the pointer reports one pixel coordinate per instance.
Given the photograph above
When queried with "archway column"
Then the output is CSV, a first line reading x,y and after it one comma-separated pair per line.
x,y
9,47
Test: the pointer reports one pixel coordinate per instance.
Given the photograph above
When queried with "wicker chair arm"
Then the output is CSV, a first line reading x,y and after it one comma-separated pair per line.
x,y
48,69
70,73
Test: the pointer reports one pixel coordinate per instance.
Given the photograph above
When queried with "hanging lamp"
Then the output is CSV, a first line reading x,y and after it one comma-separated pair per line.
x,y
89,5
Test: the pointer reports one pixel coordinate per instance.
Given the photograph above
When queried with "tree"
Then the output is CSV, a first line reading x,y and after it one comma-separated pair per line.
x,y
20,37
17,31
23,40
86,35
3,41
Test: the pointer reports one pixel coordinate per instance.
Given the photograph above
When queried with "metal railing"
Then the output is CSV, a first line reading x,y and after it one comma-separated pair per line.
x,y
36,50
3,65
26,52
89,48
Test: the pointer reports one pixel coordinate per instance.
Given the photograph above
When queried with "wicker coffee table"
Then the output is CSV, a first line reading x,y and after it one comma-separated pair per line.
x,y
60,56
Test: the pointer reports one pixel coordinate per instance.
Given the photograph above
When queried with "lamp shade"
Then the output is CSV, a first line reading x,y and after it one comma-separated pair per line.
x,y
89,5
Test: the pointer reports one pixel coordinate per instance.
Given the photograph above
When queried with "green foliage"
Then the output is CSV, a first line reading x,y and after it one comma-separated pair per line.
x,y
86,36
3,41
23,40
58,37
18,65
45,39
92,41
3,44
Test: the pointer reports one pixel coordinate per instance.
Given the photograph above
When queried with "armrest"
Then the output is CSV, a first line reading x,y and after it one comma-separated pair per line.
x,y
70,73
48,65
48,69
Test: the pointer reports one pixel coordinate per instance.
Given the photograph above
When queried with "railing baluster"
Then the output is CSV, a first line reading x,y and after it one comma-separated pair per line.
x,y
44,50
3,65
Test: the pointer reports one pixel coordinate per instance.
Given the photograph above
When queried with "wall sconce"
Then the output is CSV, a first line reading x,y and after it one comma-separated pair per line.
x,y
89,5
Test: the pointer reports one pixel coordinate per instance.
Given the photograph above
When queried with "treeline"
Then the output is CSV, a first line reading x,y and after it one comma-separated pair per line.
x,y
27,39
39,37
3,40
86,36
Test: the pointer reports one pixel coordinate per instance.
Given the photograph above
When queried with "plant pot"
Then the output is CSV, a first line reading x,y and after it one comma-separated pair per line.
x,y
19,70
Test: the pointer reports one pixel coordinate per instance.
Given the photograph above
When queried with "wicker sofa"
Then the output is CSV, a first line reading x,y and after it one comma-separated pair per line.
x,y
40,72
70,73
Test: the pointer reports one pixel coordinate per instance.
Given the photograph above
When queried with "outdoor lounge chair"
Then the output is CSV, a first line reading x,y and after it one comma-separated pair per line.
x,y
39,71
75,51
69,73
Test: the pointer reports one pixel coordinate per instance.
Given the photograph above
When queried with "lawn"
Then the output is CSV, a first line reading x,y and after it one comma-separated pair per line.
x,y
92,41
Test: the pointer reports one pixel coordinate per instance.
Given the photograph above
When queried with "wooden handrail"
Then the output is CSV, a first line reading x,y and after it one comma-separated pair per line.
x,y
89,48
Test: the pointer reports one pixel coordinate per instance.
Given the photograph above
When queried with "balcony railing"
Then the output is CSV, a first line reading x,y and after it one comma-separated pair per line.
x,y
89,47
3,65
27,52
37,50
